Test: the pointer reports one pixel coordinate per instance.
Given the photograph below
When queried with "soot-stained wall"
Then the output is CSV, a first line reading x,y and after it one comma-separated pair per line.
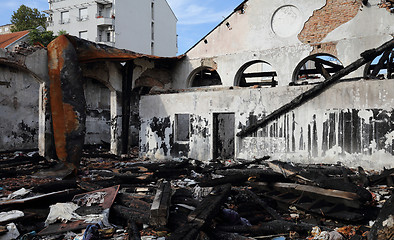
x,y
19,110
98,113
351,122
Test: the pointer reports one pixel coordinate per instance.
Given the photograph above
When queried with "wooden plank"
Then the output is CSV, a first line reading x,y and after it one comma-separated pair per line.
x,y
276,167
259,74
349,199
202,214
159,210
263,204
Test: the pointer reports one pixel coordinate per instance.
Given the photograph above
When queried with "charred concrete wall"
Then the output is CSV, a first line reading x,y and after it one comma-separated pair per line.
x,y
25,119
19,109
283,33
351,122
98,115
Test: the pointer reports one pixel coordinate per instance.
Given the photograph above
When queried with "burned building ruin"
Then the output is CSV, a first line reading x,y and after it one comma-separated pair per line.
x,y
279,122
212,101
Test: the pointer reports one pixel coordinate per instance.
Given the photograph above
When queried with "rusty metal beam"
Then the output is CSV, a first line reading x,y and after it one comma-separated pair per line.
x,y
67,100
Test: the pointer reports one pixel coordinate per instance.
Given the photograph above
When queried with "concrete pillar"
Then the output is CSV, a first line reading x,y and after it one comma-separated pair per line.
x,y
116,122
42,146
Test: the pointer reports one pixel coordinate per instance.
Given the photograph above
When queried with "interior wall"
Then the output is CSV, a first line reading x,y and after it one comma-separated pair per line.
x,y
351,122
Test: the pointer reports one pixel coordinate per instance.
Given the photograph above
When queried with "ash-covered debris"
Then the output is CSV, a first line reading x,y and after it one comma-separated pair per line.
x,y
132,198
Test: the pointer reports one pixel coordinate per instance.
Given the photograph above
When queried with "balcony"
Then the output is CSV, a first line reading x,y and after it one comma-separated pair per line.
x,y
104,21
82,18
108,42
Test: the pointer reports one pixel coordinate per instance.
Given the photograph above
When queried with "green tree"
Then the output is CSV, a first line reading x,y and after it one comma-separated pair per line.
x,y
61,32
43,38
26,18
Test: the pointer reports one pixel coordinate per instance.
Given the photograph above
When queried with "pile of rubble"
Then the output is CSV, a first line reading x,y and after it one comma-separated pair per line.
x,y
131,198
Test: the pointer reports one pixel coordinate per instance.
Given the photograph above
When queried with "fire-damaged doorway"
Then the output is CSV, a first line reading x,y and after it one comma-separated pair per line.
x,y
223,135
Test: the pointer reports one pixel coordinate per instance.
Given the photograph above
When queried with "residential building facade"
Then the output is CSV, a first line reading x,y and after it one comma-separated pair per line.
x,y
11,40
5,29
147,27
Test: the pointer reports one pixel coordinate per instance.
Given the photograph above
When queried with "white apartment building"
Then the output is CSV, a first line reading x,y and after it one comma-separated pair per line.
x,y
5,29
144,26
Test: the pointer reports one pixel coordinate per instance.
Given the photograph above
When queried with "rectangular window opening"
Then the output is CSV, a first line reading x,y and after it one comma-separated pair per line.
x,y
153,10
83,35
64,17
108,37
83,14
153,30
182,127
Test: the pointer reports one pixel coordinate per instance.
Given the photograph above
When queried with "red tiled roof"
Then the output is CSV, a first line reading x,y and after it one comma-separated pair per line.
x,y
7,39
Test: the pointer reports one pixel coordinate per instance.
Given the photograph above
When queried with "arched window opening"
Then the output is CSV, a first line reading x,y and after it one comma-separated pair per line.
x,y
382,66
204,76
254,73
316,68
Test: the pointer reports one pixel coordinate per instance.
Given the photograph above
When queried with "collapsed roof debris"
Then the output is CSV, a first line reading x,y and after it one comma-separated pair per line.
x,y
126,198
232,113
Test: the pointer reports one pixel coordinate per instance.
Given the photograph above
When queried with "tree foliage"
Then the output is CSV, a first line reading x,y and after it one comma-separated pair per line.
x,y
26,18
43,38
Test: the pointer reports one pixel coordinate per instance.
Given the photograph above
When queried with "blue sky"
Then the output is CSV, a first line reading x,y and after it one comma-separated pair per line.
x,y
195,17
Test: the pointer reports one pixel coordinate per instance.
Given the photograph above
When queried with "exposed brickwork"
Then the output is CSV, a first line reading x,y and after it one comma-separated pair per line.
x,y
329,47
388,4
325,20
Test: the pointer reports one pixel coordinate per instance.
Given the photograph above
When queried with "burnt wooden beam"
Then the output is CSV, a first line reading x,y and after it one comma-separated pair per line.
x,y
316,71
390,66
133,230
259,74
262,204
380,64
55,186
288,171
203,214
160,208
128,214
322,70
349,199
325,62
383,227
317,90
235,180
272,227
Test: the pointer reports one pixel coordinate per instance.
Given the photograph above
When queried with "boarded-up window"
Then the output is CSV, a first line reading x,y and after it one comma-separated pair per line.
x,y
182,127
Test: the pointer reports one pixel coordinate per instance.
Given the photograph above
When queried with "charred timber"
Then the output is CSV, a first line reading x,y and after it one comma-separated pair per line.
x,y
203,214
273,227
